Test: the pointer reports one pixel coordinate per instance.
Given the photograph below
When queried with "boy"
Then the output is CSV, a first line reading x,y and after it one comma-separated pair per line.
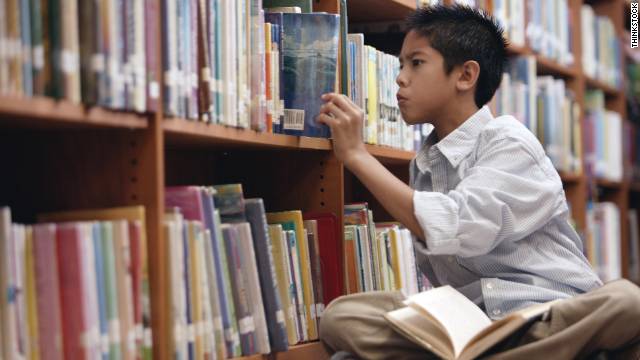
x,y
485,203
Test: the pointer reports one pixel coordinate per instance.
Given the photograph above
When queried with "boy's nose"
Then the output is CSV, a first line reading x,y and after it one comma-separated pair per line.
x,y
401,80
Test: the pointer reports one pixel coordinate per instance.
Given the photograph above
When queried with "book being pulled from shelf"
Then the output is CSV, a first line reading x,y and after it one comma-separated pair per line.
x,y
78,287
97,53
244,281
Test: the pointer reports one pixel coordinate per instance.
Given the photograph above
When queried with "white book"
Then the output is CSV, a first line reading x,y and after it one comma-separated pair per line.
x,y
250,268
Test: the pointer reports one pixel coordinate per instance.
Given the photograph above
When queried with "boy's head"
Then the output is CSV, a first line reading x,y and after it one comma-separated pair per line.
x,y
450,55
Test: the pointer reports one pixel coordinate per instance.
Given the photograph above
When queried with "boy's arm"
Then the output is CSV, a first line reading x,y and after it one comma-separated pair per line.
x,y
345,122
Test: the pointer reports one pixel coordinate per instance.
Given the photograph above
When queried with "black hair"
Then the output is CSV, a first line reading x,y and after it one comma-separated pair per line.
x,y
460,34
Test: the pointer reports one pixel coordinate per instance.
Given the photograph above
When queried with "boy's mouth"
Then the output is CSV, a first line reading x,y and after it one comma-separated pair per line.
x,y
401,99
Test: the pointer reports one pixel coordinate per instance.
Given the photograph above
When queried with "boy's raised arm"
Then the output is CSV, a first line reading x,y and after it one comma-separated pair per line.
x,y
345,120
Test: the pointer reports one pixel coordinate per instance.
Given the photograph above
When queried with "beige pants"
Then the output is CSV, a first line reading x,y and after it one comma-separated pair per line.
x,y
606,319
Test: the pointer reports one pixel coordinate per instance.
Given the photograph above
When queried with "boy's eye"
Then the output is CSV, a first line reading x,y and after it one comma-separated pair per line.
x,y
416,62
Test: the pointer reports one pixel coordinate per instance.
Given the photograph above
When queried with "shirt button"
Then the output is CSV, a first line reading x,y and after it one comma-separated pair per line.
x,y
496,312
489,286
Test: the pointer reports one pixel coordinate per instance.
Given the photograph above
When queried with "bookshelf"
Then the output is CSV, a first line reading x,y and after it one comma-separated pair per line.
x,y
63,156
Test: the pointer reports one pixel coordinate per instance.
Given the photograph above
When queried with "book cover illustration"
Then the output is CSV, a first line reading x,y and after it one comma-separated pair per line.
x,y
310,56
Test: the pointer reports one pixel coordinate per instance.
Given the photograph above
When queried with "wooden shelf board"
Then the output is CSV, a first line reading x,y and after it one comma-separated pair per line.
x,y
614,185
179,131
551,67
608,90
42,112
570,178
309,351
379,10
389,155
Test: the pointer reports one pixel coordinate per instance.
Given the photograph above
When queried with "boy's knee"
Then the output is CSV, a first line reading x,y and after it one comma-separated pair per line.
x,y
329,322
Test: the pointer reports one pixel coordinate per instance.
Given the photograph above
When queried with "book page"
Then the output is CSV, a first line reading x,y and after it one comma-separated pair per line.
x,y
458,315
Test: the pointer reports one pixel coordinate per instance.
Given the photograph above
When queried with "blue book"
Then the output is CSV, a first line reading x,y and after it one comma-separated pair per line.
x,y
102,295
239,288
229,323
310,57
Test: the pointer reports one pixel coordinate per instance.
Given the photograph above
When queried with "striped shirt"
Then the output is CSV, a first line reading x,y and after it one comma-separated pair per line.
x,y
493,211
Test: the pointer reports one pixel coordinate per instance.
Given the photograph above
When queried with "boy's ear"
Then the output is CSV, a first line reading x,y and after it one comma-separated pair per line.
x,y
468,75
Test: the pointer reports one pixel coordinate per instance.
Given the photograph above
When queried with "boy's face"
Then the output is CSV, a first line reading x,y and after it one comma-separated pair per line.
x,y
425,89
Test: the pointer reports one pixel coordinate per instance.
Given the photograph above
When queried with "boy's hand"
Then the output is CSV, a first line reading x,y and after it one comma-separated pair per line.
x,y
346,121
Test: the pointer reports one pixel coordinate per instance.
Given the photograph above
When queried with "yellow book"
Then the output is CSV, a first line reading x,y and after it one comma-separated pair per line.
x,y
281,264
31,296
394,237
292,220
372,91
169,228
194,233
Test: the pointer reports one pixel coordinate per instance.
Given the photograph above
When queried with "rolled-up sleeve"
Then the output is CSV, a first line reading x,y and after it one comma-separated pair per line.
x,y
508,193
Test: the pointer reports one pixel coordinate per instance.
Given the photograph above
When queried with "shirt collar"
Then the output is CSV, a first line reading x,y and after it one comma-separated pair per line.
x,y
459,143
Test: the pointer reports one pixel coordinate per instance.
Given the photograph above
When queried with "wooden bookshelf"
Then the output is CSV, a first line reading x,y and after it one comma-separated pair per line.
x,y
390,155
379,10
48,113
608,184
608,90
67,156
179,131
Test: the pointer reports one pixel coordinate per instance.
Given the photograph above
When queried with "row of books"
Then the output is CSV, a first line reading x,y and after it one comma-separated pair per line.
x,y
372,86
544,24
602,244
227,62
75,288
603,140
601,58
81,51
546,107
243,281
378,256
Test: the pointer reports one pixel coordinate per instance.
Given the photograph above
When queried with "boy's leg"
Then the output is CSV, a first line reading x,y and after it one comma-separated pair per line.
x,y
607,319
354,323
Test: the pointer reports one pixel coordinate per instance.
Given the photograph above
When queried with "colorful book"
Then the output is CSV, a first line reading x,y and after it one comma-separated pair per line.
x,y
310,56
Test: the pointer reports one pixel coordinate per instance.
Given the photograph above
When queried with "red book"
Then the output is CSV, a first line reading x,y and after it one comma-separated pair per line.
x,y
188,199
330,241
73,290
47,288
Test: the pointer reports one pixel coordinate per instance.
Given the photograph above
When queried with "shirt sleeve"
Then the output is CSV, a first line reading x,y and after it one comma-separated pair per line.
x,y
509,193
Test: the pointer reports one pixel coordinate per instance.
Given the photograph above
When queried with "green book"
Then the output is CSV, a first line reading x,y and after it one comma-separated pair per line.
x,y
111,288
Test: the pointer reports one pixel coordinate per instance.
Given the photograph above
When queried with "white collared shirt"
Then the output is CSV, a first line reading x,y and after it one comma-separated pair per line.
x,y
495,217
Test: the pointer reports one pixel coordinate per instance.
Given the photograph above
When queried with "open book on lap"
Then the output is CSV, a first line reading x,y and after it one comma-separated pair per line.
x,y
445,322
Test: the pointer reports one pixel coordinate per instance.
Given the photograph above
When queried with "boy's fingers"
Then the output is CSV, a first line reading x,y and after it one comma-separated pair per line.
x,y
341,101
331,108
327,120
